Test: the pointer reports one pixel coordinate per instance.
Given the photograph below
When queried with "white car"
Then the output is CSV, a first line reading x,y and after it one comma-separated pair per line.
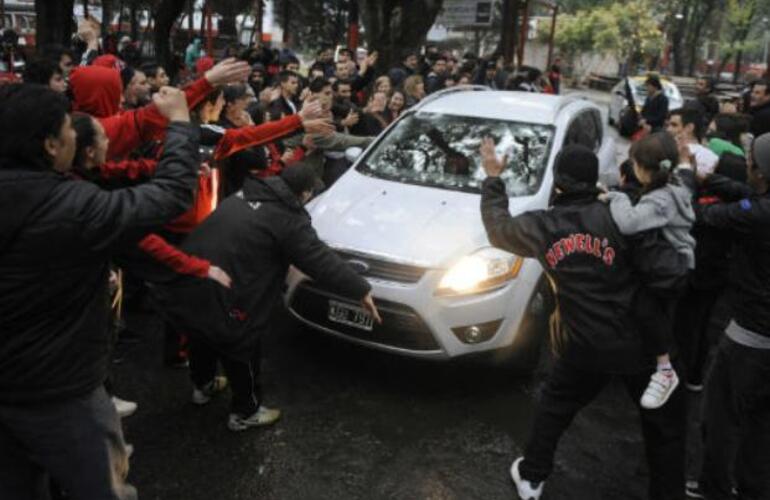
x,y
619,101
407,216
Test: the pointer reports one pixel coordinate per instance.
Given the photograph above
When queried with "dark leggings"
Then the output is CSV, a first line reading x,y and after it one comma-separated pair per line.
x,y
656,312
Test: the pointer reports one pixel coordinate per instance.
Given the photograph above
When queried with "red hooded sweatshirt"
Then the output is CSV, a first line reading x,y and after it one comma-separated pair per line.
x,y
108,61
97,90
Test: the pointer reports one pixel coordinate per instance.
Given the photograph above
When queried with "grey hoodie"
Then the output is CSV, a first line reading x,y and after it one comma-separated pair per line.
x,y
669,208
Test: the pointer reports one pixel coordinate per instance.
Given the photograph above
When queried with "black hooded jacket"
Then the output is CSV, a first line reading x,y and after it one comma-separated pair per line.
x,y
254,235
746,220
593,270
57,236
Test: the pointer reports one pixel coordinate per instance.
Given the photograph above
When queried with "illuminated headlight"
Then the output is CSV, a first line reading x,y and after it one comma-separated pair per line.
x,y
485,270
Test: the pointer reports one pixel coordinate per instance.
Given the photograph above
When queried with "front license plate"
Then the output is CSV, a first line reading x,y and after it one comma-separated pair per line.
x,y
346,314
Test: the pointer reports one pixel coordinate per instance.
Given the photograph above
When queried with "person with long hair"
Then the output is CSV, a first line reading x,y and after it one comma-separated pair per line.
x,y
414,90
396,104
384,85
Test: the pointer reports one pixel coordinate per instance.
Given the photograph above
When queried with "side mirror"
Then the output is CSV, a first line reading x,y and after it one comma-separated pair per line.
x,y
352,153
620,93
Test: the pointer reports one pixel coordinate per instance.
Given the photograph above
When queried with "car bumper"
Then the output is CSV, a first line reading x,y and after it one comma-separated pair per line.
x,y
418,323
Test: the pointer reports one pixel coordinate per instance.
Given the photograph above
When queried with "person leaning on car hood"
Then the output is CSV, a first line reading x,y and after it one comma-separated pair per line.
x,y
255,235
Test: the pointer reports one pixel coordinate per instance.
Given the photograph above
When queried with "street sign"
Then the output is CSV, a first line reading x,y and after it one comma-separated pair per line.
x,y
465,13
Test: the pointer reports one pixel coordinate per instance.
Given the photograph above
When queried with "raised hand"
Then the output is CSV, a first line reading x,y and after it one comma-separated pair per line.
x,y
220,276
351,119
371,59
172,104
493,166
368,304
321,126
89,31
311,110
228,71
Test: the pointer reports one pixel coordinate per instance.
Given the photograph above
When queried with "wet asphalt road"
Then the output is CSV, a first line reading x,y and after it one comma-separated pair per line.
x,y
359,424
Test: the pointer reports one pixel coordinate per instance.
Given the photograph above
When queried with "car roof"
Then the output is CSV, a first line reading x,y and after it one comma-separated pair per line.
x,y
528,107
642,79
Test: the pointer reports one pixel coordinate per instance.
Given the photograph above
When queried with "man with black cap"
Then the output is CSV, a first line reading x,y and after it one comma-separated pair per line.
x,y
255,234
737,416
593,270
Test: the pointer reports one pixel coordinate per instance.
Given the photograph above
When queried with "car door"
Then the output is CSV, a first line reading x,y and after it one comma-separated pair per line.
x,y
617,102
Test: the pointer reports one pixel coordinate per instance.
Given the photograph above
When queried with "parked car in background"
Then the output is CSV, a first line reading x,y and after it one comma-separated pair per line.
x,y
619,101
407,216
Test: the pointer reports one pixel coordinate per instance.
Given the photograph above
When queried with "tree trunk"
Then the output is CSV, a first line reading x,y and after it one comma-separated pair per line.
x,y
738,63
392,28
286,19
694,41
227,25
509,30
54,22
766,48
204,9
677,39
165,15
106,16
120,17
134,22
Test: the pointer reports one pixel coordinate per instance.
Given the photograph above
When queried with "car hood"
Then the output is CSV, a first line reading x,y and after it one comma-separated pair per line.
x,y
417,225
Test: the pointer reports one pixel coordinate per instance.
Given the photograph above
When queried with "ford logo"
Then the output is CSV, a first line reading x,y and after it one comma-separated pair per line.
x,y
359,266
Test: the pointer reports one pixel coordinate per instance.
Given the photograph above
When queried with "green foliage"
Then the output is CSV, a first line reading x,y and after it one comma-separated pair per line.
x,y
313,24
625,29
740,17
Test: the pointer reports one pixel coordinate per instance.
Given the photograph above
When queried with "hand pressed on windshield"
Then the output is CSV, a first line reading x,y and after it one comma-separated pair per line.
x,y
442,151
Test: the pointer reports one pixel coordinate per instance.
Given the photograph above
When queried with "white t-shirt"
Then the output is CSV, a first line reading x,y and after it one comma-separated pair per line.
x,y
705,159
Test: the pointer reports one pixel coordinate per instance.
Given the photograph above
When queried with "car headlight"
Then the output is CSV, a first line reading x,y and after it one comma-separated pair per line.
x,y
482,271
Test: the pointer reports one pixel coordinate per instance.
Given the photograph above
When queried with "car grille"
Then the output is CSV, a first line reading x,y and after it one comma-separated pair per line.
x,y
383,269
401,325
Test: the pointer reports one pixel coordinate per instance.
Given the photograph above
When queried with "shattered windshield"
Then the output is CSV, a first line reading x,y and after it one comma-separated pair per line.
x,y
438,150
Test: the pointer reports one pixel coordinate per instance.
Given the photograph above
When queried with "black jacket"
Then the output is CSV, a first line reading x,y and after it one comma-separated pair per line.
x,y
58,236
760,120
398,74
748,221
592,268
655,111
707,105
254,236
280,108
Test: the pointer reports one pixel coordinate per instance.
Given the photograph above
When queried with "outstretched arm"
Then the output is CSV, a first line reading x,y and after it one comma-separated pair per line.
x,y
649,213
521,235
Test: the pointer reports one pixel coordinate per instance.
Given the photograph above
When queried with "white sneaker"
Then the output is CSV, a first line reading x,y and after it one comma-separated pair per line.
x,y
661,386
202,395
123,407
263,416
526,489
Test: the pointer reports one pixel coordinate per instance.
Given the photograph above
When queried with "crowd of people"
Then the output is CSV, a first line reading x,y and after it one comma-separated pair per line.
x,y
113,183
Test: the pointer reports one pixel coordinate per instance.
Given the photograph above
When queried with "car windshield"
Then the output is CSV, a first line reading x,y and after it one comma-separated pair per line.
x,y
439,150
